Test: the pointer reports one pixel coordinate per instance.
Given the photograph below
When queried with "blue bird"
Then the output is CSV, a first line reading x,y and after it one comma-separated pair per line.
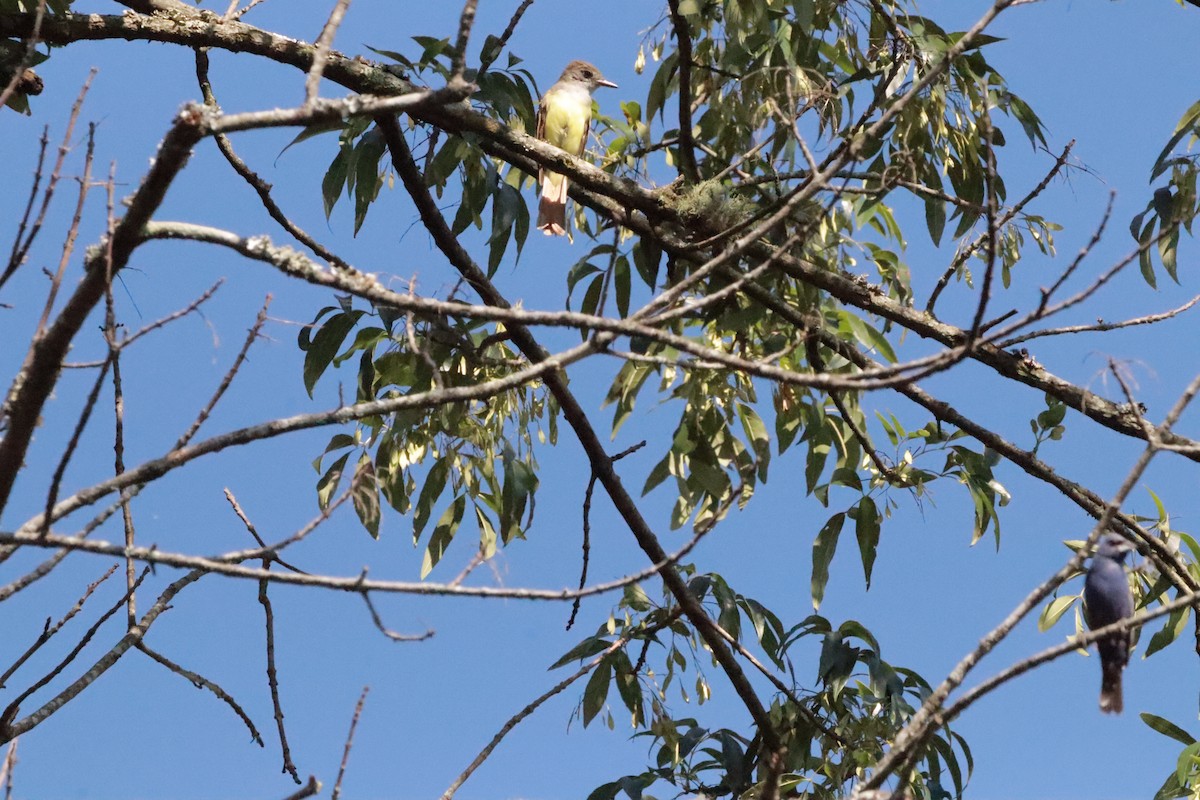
x,y
1106,599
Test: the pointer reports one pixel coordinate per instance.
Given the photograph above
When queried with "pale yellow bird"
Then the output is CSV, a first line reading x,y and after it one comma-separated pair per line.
x,y
564,119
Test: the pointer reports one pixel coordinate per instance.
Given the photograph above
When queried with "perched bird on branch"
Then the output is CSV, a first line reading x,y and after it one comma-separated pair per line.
x,y
564,118
1106,599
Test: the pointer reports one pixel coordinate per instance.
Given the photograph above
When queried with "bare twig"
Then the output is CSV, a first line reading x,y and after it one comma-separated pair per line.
x,y
34,575
587,530
687,143
489,57
1100,326
85,415
201,682
476,560
466,20
389,633
358,708
273,675
241,12
228,565
924,720
21,248
232,372
312,83
39,374
587,546
525,712
50,630
1008,217
269,554
1045,310
292,263
313,787
261,187
114,357
153,326
68,247
8,729
800,705
178,457
9,766
13,260
993,228
1072,644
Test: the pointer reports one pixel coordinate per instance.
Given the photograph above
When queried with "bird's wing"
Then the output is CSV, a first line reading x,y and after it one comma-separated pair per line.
x,y
587,131
540,132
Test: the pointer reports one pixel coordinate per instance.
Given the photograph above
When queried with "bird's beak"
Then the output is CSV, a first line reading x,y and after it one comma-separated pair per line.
x,y
608,83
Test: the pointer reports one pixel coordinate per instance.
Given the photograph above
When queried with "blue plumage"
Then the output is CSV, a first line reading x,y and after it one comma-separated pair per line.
x,y
1106,599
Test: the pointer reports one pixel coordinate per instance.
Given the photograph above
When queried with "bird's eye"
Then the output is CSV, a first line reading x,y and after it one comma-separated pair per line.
x,y
587,73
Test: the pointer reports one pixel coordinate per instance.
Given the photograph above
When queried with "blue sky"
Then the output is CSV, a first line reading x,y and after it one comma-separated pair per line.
x,y
1114,76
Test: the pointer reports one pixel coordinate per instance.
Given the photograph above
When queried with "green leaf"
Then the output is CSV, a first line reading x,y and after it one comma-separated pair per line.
x,y
591,646
390,476
728,616
487,533
767,627
507,203
1191,543
947,753
1167,728
1185,766
339,441
607,791
935,219
1145,242
443,534
866,530
334,180
657,475
867,335
1187,124
316,129
756,432
1029,121
520,483
634,597
435,483
596,692
1054,611
591,298
659,86
824,546
329,481
628,686
1169,632
325,346
621,282
1167,247
647,255
1171,789
364,493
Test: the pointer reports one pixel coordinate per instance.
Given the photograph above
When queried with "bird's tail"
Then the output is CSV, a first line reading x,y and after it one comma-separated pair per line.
x,y
552,208
1111,701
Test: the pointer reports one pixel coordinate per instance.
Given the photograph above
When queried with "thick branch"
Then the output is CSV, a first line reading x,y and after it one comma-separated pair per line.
x,y
687,144
601,462
43,364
